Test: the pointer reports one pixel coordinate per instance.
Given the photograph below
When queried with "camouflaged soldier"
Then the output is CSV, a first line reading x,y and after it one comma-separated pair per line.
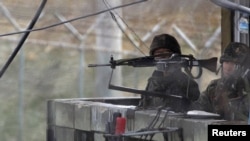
x,y
171,81
229,95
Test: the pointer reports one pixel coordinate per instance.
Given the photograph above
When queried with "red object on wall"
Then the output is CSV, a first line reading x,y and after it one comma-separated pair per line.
x,y
120,125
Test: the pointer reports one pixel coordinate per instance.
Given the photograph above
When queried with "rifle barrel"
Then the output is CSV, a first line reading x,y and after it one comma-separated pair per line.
x,y
98,65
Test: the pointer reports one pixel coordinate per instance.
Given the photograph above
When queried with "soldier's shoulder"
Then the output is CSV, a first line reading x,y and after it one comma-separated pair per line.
x,y
211,87
213,83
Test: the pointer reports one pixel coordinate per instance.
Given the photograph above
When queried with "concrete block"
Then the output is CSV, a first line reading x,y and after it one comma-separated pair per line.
x,y
90,119
101,113
84,136
64,113
51,112
99,137
63,134
142,119
83,116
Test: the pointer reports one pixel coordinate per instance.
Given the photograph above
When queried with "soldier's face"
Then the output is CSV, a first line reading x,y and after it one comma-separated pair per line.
x,y
228,68
167,53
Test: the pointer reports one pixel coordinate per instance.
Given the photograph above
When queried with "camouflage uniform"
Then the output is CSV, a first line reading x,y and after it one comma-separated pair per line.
x,y
175,82
178,84
229,96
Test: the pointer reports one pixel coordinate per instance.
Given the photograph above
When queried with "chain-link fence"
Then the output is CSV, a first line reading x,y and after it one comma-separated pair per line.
x,y
53,61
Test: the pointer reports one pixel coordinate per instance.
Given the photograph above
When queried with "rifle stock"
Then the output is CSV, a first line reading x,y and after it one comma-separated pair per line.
x,y
210,64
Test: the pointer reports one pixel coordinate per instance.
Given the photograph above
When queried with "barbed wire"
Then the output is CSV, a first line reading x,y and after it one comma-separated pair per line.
x,y
71,20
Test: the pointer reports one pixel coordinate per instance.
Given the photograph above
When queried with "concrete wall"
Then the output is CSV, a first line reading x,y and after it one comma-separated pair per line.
x,y
86,119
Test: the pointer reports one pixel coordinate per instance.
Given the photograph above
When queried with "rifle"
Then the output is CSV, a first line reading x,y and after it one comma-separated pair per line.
x,y
185,61
141,92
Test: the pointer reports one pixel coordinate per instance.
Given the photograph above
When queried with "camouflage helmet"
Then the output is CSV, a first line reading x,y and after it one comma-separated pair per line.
x,y
165,41
236,52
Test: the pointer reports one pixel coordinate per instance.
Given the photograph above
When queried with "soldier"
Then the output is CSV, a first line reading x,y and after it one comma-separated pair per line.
x,y
171,80
228,95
